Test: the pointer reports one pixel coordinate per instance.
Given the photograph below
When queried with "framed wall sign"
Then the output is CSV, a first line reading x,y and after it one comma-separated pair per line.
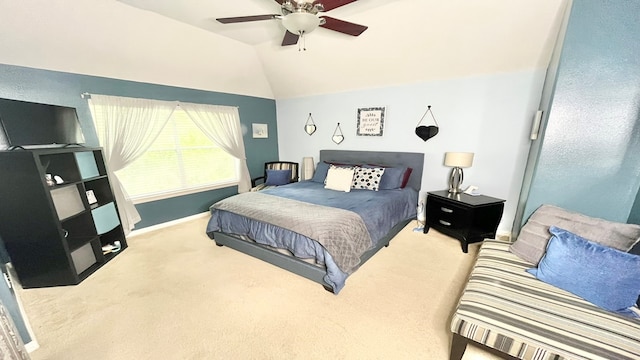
x,y
370,121
260,131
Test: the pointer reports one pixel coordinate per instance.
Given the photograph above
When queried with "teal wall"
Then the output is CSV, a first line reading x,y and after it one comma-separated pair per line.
x,y
634,216
589,160
60,88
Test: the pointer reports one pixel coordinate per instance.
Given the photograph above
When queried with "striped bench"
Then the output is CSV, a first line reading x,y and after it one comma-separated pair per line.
x,y
506,309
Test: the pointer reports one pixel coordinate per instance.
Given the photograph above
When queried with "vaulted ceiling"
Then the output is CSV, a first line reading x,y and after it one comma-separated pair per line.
x,y
179,43
406,41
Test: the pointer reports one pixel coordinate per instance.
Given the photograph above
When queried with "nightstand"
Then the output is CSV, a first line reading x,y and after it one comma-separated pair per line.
x,y
467,218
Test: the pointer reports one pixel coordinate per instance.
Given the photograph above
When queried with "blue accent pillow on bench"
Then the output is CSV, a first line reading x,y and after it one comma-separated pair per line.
x,y
278,177
604,276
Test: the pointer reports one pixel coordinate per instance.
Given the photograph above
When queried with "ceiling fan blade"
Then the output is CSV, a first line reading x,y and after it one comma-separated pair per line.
x,y
332,4
290,38
237,19
343,26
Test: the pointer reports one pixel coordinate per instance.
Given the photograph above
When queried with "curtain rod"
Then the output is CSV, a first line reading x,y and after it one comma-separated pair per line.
x,y
86,95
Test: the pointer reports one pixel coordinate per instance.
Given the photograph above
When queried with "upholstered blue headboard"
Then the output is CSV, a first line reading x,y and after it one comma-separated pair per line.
x,y
412,160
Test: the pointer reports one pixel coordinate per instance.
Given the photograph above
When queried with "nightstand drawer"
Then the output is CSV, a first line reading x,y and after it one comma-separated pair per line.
x,y
446,214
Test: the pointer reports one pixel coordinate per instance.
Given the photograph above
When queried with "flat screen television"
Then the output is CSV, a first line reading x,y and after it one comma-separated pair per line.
x,y
33,124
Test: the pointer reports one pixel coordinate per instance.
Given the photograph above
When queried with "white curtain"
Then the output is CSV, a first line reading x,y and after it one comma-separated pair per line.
x,y
126,128
221,124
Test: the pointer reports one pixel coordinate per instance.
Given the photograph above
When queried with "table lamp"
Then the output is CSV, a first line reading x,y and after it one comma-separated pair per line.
x,y
457,161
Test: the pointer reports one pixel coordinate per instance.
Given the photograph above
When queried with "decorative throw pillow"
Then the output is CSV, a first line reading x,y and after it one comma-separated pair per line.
x,y
320,175
534,235
395,177
392,177
367,178
321,172
278,177
604,276
405,179
339,178
635,249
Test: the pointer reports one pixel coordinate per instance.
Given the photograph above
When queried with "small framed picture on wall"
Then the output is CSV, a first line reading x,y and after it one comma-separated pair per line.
x,y
260,131
370,121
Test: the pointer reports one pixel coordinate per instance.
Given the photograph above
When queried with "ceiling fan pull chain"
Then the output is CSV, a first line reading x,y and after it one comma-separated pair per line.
x,y
304,41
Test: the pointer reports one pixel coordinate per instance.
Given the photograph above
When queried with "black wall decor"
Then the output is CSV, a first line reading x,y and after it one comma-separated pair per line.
x,y
427,132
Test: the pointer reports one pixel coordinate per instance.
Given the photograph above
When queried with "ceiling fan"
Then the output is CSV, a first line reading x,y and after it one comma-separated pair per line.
x,y
301,17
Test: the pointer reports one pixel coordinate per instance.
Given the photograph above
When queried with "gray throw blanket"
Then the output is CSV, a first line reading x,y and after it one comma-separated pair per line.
x,y
341,232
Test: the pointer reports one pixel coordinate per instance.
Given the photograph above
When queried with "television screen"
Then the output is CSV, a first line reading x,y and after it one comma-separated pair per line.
x,y
26,123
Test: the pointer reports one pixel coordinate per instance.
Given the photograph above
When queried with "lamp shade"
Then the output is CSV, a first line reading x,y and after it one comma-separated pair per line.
x,y
458,159
300,23
307,168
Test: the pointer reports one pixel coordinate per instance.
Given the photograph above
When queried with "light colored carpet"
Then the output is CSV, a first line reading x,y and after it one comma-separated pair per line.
x,y
173,294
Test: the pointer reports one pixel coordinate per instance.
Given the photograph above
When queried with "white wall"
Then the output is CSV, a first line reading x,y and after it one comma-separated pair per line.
x,y
489,115
111,39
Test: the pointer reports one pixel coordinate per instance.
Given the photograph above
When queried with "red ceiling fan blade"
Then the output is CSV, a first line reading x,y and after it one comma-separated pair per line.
x,y
290,38
343,26
238,19
332,4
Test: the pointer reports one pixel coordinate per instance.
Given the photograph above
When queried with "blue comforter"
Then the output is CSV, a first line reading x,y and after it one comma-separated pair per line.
x,y
380,211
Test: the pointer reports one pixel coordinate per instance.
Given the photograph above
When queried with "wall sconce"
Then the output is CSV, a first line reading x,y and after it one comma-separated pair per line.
x,y
310,126
457,160
307,168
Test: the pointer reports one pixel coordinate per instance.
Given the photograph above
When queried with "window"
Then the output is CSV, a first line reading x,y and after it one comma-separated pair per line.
x,y
181,160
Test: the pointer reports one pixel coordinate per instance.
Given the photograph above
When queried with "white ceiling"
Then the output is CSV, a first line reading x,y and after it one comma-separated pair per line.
x,y
202,14
407,41
179,43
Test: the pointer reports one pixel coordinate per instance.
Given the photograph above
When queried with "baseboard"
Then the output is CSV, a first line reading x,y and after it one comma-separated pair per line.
x,y
167,224
31,346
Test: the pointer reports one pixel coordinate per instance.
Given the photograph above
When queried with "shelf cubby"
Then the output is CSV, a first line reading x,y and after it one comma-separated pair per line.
x,y
101,190
52,232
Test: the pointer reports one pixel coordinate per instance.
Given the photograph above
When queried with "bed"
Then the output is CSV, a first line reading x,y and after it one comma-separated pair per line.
x,y
323,235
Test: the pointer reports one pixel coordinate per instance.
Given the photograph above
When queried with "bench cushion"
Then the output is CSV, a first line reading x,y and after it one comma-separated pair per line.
x,y
508,309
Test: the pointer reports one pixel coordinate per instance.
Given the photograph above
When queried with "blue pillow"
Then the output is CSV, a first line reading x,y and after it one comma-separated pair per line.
x,y
321,172
323,169
278,177
392,177
635,249
604,276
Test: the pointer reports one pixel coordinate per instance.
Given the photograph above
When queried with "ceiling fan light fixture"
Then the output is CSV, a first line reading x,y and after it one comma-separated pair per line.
x,y
300,23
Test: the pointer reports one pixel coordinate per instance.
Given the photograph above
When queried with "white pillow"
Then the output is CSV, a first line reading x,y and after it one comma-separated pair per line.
x,y
339,178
